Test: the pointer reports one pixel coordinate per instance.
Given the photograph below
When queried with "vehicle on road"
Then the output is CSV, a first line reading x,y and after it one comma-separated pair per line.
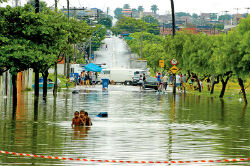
x,y
136,76
118,75
151,82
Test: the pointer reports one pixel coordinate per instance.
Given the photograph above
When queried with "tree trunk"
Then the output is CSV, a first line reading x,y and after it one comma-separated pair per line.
x,y
198,83
55,82
65,66
6,83
14,88
68,66
36,82
243,90
215,82
224,84
45,83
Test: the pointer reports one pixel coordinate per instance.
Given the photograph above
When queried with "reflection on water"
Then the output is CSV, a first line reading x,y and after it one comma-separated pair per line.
x,y
140,126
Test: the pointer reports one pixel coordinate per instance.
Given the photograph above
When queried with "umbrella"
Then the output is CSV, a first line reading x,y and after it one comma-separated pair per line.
x,y
93,67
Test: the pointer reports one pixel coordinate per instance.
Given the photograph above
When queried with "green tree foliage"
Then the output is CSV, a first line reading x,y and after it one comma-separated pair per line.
x,y
118,13
106,21
34,40
42,4
180,14
153,49
131,25
154,8
219,26
213,16
97,36
140,9
195,16
150,19
225,17
1,1
126,6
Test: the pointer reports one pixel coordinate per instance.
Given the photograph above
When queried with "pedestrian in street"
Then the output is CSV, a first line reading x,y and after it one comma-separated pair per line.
x,y
140,83
159,81
165,81
87,79
144,80
75,80
184,81
178,81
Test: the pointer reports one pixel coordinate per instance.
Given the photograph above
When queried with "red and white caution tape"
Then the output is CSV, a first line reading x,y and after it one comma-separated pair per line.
x,y
122,161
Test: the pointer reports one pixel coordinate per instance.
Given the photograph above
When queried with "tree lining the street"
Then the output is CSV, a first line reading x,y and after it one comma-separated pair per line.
x,y
132,25
223,56
35,40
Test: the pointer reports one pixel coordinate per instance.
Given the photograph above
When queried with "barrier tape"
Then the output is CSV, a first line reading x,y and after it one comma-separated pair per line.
x,y
122,161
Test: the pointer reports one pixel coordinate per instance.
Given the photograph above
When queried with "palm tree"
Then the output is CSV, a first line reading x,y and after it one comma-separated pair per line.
x,y
154,8
126,6
140,9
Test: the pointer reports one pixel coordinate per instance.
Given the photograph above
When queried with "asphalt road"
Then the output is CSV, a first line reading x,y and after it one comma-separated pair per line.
x,y
116,55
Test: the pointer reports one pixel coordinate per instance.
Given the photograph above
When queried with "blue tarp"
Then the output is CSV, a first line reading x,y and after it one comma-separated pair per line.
x,y
93,67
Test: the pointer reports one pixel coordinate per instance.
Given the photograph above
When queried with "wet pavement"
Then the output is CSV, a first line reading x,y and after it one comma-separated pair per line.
x,y
116,55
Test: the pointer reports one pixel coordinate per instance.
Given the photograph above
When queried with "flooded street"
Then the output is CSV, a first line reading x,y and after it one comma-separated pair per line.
x,y
141,126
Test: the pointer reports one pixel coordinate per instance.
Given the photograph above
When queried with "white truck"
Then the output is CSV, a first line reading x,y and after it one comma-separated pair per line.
x,y
119,75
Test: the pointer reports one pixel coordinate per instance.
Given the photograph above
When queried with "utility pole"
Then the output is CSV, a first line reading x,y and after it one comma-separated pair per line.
x,y
16,3
90,47
247,9
56,5
107,10
237,21
37,6
173,17
173,29
67,61
55,70
142,41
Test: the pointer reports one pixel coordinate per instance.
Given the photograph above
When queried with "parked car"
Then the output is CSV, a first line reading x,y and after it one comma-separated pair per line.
x,y
136,76
151,82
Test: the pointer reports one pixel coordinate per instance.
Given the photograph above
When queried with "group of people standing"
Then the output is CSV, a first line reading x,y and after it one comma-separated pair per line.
x,y
86,78
181,80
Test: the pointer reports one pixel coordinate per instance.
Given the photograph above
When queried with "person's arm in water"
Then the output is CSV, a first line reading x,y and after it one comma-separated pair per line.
x,y
90,123
73,122
83,121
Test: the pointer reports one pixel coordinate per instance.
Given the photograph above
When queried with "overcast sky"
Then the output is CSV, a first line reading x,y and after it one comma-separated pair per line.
x,y
191,6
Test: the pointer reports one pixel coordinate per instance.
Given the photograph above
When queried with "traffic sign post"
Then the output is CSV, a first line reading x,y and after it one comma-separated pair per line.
x,y
161,63
174,69
174,62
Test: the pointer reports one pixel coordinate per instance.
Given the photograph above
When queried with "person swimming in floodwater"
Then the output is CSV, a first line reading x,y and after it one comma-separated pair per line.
x,y
82,116
87,120
76,121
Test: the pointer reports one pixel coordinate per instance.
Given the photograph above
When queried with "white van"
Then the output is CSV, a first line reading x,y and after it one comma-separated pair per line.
x,y
118,75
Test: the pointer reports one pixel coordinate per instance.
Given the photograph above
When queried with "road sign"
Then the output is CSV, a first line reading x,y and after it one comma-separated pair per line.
x,y
174,62
174,69
161,63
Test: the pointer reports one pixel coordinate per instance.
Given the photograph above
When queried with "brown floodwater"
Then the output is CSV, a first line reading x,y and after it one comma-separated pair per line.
x,y
141,126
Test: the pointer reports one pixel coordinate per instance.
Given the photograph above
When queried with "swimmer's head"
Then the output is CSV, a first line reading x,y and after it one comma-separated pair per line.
x,y
76,114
